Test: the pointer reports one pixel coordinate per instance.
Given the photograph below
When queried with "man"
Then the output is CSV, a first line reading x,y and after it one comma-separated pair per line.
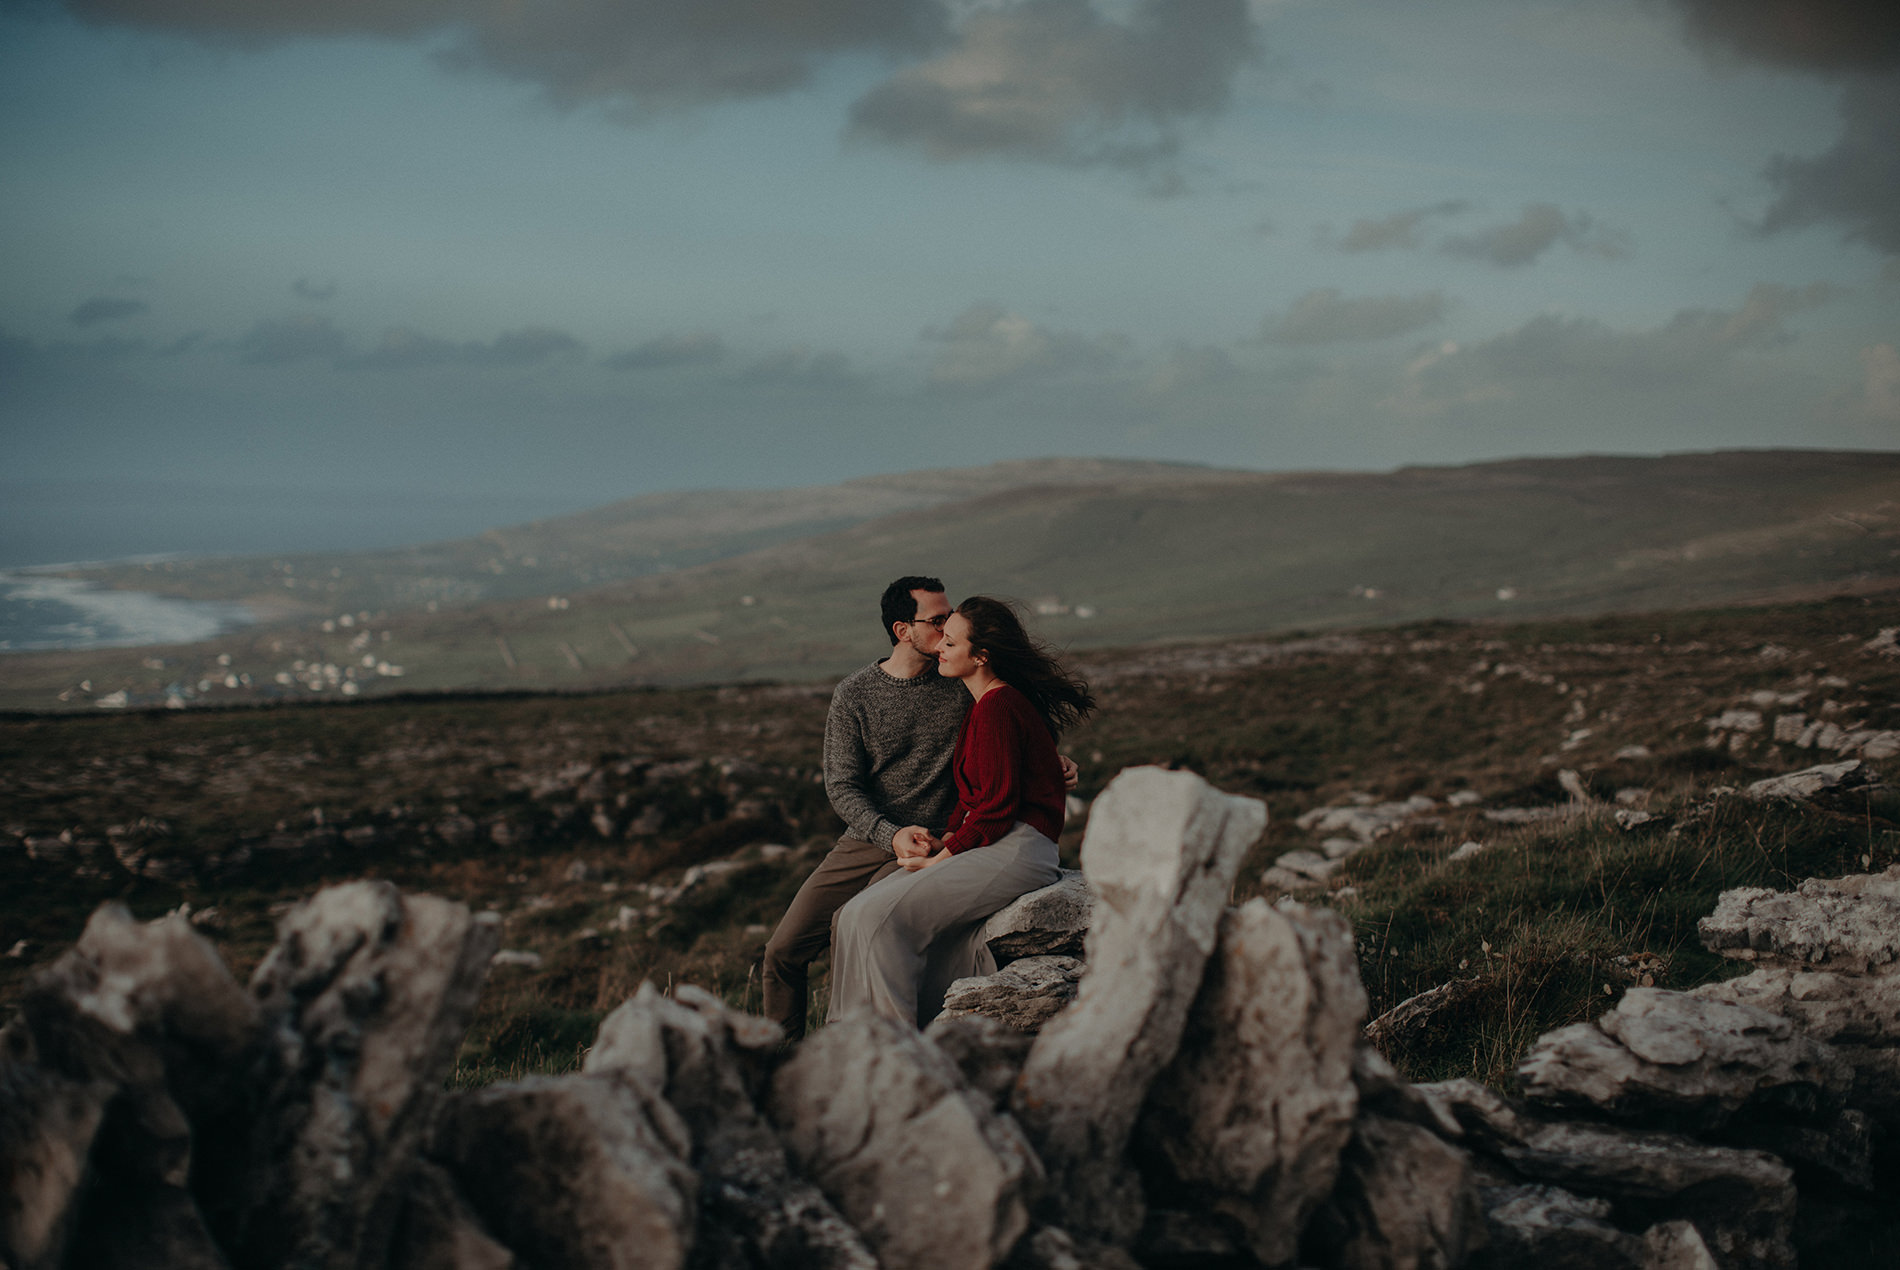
x,y
889,738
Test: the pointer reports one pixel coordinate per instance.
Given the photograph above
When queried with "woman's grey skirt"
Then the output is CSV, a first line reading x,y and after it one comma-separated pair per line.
x,y
903,941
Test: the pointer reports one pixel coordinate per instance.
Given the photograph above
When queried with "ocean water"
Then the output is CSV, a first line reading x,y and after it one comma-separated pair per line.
x,y
42,612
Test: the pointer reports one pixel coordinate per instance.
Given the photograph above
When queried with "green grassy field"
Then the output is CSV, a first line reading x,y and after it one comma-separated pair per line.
x,y
578,817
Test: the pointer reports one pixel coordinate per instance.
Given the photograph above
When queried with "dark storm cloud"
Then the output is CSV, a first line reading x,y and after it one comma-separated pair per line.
x,y
277,342
1856,183
1397,230
642,54
106,308
1826,36
987,345
695,349
1327,317
1540,227
309,290
1055,80
404,349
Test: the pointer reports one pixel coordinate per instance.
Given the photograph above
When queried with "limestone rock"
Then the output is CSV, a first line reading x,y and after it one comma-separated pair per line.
x,y
1741,1201
708,1062
1676,1245
1549,1226
1691,1060
1805,783
1025,994
1404,1198
121,1048
438,1231
1052,1248
1053,921
1252,1114
1298,870
1850,924
576,1171
367,995
1161,852
882,1120
987,1051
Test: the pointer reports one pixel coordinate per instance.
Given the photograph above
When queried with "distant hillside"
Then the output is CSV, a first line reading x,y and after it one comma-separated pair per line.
x,y
1116,556
655,533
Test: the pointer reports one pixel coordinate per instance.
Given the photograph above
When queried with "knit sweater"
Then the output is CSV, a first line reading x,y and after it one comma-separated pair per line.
x,y
1006,770
888,745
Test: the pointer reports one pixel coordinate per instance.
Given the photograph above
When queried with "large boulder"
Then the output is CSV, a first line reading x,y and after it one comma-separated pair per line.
x,y
122,1051
1742,1202
1682,1059
1025,994
366,996
1404,1198
710,1064
1252,1114
1551,1227
1162,850
1826,957
1053,921
932,1176
1849,924
587,1172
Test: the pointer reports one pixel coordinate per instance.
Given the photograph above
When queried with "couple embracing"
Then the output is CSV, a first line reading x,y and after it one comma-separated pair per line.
x,y
942,762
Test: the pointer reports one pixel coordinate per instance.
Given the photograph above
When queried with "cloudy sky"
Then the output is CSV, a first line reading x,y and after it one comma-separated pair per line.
x,y
521,257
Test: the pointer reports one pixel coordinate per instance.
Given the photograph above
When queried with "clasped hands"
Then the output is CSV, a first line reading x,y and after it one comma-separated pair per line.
x,y
917,848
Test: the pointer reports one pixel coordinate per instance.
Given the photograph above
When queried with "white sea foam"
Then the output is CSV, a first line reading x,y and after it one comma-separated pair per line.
x,y
43,612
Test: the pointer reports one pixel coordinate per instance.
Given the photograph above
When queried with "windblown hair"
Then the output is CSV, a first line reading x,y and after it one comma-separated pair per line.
x,y
1025,664
899,605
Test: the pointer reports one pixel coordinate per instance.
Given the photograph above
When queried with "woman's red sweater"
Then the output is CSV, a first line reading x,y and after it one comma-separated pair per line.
x,y
1006,770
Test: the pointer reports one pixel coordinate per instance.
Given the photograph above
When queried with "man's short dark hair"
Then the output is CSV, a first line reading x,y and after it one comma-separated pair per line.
x,y
899,605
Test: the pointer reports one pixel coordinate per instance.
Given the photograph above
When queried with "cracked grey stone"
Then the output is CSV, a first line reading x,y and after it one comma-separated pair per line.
x,y
1025,994
1252,1114
1053,921
881,1119
1162,850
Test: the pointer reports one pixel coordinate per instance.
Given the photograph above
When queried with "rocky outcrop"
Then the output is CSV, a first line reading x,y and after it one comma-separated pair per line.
x,y
1208,1098
578,1171
1681,1059
1253,1113
1742,1202
1162,850
710,1065
214,1126
923,1166
1025,994
1053,921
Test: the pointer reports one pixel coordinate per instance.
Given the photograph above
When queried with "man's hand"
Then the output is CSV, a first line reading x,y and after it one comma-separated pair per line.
x,y
913,863
913,843
1071,774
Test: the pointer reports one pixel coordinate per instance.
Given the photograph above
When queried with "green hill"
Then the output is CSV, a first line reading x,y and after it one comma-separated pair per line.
x,y
1104,555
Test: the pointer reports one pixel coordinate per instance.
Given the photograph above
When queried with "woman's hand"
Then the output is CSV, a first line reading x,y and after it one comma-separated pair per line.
x,y
913,842
913,864
1071,774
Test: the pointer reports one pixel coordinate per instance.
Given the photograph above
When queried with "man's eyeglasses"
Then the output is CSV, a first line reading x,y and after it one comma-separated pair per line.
x,y
937,621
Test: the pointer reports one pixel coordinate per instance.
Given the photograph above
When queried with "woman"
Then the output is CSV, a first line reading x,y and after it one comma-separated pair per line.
x,y
902,942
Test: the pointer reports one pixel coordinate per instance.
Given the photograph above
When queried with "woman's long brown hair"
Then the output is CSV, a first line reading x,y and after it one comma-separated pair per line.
x,y
1060,696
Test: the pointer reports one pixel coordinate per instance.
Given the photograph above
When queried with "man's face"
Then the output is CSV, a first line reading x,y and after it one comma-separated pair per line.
x,y
925,631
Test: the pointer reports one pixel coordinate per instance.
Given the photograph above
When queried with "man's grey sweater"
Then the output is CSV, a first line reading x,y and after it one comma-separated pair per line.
x,y
888,745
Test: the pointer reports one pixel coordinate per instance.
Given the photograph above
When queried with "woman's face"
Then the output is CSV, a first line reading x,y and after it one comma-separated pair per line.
x,y
955,658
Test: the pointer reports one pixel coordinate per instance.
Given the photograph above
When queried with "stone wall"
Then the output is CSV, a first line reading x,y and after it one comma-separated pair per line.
x,y
1195,1089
